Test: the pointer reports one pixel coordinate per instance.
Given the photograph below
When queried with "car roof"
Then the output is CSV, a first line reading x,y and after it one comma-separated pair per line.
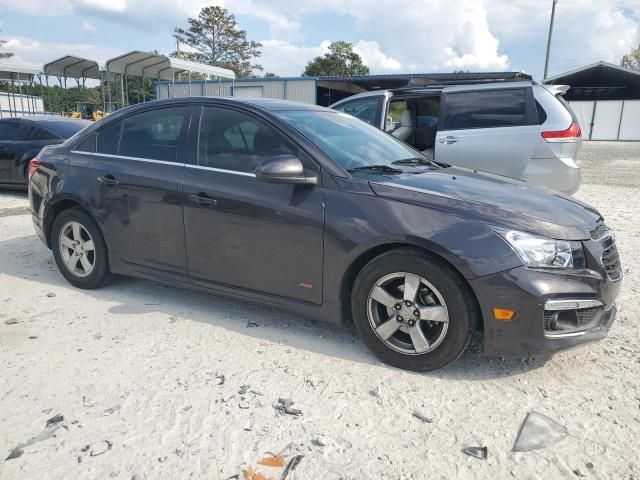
x,y
266,104
44,119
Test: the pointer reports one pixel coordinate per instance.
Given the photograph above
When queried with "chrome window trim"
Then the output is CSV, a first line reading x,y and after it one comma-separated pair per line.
x,y
139,159
164,162
221,170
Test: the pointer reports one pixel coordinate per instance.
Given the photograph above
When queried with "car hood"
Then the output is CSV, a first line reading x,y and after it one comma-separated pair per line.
x,y
492,199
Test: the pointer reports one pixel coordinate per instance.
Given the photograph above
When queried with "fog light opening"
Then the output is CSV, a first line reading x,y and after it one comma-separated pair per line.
x,y
566,320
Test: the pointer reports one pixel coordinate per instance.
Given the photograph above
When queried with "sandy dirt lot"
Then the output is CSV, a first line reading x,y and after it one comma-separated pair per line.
x,y
172,384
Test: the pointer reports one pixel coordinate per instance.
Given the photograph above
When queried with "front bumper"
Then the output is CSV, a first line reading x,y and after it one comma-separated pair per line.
x,y
526,291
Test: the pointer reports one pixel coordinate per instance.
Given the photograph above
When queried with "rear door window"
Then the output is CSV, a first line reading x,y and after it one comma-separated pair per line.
x,y
9,130
366,109
38,133
109,138
486,109
154,134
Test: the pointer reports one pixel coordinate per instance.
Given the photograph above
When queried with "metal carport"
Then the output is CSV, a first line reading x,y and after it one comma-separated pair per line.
x,y
159,67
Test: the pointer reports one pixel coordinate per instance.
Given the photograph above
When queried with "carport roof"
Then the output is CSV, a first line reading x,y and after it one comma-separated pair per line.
x,y
12,70
161,67
599,81
73,67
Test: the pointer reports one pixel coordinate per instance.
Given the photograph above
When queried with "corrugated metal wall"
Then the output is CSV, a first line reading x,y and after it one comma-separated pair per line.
x,y
295,89
18,105
608,119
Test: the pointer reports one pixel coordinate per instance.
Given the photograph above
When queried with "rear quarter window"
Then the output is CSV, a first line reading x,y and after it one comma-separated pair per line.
x,y
109,138
486,109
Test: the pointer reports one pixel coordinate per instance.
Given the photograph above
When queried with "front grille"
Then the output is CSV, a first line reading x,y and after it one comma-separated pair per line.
x,y
610,258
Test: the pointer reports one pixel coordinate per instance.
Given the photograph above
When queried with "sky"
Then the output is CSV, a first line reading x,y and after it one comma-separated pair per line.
x,y
396,36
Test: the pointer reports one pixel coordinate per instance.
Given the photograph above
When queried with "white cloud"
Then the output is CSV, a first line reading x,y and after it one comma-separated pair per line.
x,y
287,59
33,51
375,59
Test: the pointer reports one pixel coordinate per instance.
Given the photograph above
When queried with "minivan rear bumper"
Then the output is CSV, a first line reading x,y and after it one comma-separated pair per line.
x,y
526,291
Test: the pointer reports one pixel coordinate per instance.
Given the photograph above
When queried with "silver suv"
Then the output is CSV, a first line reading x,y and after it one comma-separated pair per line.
x,y
519,129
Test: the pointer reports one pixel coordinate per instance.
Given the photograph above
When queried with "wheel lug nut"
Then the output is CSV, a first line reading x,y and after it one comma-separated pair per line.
x,y
399,318
412,323
407,303
398,306
416,313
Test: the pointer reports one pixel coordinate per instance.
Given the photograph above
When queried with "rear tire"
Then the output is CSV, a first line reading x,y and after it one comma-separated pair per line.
x,y
79,249
413,310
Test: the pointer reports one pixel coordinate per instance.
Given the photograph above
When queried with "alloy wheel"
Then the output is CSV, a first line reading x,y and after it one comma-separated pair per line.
x,y
407,313
77,249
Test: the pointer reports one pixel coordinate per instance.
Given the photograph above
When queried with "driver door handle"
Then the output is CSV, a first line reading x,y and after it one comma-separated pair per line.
x,y
203,200
448,140
108,180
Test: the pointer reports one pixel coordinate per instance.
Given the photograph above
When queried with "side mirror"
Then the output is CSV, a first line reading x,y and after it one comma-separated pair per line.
x,y
284,169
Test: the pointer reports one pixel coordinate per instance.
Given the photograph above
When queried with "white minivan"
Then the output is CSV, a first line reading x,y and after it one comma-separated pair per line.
x,y
519,129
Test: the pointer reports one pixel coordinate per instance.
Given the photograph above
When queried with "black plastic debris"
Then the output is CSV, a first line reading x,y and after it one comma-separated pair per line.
x,y
55,419
538,431
220,379
422,417
478,452
291,466
284,406
252,325
101,447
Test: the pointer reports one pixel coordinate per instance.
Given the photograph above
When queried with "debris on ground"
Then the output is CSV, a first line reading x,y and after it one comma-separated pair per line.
x,y
220,379
538,431
579,473
15,453
252,325
275,461
11,321
291,466
284,406
100,448
250,474
55,419
111,410
243,389
422,417
51,426
51,294
478,452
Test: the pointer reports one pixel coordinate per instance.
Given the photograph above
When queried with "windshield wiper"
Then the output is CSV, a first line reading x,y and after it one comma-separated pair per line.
x,y
414,161
375,168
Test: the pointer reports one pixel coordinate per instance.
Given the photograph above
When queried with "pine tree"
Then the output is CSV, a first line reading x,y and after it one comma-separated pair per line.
x,y
340,60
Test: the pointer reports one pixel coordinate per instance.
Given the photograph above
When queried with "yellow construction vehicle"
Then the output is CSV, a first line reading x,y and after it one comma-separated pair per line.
x,y
91,111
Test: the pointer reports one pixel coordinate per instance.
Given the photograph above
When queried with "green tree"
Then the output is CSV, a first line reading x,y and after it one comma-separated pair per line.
x,y
4,54
632,59
216,40
339,60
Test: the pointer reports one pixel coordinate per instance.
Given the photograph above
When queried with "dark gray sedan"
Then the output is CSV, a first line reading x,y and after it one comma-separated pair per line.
x,y
310,209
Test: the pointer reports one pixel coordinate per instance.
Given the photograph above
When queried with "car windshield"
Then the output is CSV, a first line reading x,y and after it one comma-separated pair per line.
x,y
352,143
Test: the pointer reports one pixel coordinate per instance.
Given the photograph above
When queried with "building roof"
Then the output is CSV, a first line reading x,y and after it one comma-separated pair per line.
x,y
12,70
73,67
160,67
600,80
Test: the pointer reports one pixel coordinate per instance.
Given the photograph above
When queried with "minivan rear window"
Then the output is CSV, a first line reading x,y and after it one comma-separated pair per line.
x,y
485,109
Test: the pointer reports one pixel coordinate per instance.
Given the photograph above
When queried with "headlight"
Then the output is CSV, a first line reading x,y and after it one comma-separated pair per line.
x,y
544,252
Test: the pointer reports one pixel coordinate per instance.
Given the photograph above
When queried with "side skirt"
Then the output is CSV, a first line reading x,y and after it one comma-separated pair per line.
x,y
326,312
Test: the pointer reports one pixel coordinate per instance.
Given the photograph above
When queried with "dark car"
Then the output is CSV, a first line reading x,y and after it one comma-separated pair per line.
x,y
311,209
22,138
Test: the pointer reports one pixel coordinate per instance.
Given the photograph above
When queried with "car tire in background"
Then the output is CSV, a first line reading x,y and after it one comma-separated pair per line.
x,y
413,310
79,249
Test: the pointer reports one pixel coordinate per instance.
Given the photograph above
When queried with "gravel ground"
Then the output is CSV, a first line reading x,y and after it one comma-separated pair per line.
x,y
170,383
611,163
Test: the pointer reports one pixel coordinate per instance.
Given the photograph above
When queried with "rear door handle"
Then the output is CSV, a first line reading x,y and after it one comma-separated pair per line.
x,y
448,140
108,180
203,200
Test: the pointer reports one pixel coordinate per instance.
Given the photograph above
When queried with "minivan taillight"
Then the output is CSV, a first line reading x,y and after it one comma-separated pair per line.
x,y
570,134
34,164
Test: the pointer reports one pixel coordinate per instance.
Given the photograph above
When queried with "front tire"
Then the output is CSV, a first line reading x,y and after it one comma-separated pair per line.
x,y
79,249
413,310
